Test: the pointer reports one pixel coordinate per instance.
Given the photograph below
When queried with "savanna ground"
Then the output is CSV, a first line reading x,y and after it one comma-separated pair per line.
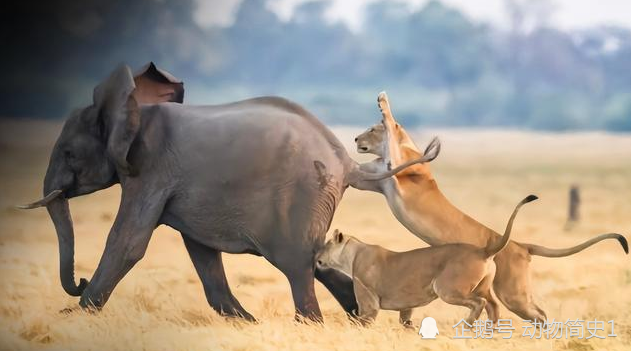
x,y
160,304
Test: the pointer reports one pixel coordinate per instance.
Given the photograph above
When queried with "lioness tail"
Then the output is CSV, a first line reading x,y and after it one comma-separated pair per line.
x,y
498,245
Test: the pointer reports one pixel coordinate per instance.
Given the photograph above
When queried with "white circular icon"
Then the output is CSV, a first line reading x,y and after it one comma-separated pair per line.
x,y
428,328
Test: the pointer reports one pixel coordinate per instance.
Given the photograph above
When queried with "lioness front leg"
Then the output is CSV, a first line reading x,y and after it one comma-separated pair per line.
x,y
392,153
367,301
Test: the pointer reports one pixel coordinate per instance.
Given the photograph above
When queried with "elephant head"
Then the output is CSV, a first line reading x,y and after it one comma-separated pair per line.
x,y
91,151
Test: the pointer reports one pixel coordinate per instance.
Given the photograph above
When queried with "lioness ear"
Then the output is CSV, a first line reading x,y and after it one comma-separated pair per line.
x,y
119,113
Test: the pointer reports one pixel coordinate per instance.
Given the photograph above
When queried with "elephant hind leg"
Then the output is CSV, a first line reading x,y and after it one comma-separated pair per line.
x,y
209,267
301,277
513,286
405,318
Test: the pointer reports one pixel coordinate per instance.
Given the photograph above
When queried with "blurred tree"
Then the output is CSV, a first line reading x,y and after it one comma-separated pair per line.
x,y
440,67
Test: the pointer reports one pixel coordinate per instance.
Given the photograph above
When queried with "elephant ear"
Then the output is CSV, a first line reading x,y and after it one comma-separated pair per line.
x,y
154,85
119,113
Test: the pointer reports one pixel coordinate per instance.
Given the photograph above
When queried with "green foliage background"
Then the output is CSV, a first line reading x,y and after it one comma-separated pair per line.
x,y
439,67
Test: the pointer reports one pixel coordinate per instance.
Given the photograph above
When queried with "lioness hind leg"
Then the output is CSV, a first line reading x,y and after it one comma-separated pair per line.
x,y
475,303
484,290
461,297
459,282
512,283
528,310
405,318
492,307
367,301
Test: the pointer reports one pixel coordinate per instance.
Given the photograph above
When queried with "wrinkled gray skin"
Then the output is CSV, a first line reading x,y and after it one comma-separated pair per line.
x,y
260,176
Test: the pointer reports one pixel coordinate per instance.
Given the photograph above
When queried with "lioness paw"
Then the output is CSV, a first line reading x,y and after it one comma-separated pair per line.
x,y
382,101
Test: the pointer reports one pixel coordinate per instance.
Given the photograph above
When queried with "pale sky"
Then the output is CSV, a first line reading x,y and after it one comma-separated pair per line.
x,y
568,14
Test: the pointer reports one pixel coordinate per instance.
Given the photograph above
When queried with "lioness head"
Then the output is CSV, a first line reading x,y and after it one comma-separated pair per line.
x,y
332,254
372,140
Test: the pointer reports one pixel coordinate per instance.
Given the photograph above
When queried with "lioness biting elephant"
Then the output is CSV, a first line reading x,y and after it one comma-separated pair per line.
x,y
417,202
460,274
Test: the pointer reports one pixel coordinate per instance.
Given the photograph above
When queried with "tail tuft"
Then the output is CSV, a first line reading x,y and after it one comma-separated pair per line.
x,y
624,243
530,198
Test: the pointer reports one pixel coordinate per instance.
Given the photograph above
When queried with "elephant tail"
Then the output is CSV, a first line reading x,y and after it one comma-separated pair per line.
x,y
356,175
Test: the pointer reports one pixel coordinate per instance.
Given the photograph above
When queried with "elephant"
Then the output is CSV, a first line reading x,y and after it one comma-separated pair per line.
x,y
261,176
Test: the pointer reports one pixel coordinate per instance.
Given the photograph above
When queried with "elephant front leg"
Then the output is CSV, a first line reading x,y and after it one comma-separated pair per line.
x,y
209,267
126,245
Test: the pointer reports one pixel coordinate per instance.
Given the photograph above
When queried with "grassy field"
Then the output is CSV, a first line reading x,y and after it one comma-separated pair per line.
x,y
160,304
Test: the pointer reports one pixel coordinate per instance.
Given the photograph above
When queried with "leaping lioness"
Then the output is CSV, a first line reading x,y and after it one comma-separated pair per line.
x,y
417,202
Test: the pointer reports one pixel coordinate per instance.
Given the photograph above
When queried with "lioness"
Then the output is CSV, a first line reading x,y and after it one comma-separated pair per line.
x,y
417,202
460,274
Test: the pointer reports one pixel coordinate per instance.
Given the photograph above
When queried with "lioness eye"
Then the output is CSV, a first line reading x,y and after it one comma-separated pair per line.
x,y
372,130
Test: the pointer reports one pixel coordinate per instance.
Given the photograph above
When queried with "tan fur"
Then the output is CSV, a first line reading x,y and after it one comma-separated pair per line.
x,y
460,274
420,206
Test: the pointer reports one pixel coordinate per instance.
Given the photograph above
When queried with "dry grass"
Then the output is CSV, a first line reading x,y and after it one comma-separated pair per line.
x,y
160,304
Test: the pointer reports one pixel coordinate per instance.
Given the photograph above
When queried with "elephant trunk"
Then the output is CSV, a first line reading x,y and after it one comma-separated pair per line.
x,y
60,214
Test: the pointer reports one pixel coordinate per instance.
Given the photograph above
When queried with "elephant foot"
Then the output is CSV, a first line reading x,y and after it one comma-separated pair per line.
x,y
91,305
230,308
408,325
79,308
299,318
352,316
241,315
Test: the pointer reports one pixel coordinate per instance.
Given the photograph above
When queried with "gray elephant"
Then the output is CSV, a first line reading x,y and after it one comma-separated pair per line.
x,y
261,176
